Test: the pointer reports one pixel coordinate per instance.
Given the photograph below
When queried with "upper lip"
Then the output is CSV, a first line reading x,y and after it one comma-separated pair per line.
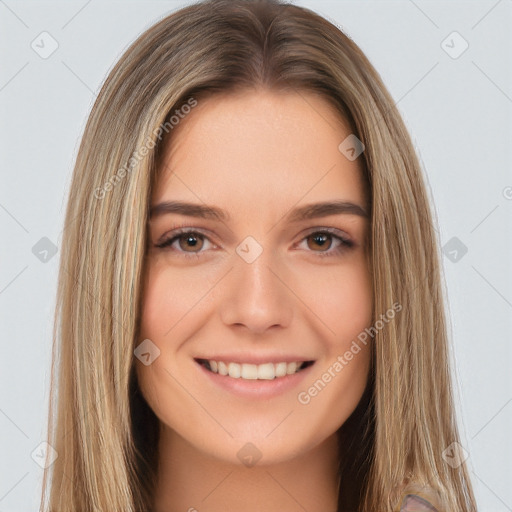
x,y
255,358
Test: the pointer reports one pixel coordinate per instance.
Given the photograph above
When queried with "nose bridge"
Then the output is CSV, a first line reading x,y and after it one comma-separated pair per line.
x,y
256,297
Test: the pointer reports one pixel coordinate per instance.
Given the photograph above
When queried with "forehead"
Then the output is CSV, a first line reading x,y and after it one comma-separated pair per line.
x,y
259,147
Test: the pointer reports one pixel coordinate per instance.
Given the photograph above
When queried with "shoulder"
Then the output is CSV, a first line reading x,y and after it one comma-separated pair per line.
x,y
414,503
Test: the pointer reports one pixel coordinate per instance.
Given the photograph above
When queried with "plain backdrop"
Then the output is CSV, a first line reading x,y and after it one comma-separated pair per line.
x,y
447,65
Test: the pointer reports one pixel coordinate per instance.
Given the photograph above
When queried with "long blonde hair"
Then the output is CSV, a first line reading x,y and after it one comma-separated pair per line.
x,y
102,429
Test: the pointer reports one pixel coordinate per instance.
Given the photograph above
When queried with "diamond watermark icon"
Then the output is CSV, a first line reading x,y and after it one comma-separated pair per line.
x,y
454,45
147,352
44,45
249,249
44,455
249,455
454,249
455,455
351,147
44,250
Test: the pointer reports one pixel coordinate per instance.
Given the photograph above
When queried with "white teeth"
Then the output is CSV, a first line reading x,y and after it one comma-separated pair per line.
x,y
266,371
291,368
234,370
223,369
280,369
249,371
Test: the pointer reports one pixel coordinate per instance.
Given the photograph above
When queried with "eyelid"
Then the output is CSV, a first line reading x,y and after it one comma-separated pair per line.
x,y
333,231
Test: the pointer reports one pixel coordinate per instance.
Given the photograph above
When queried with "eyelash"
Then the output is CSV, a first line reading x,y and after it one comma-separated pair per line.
x,y
345,243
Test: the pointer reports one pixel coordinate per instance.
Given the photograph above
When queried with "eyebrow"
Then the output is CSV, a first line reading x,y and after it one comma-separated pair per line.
x,y
309,211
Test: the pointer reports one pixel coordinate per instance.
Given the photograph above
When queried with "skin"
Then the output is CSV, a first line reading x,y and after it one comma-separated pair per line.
x,y
256,154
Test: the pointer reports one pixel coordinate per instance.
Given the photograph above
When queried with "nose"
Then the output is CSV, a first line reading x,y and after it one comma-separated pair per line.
x,y
257,295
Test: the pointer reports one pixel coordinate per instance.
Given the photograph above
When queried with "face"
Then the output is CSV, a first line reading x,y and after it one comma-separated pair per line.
x,y
247,281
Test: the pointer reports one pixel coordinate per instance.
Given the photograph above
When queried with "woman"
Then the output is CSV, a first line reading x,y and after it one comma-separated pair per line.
x,y
250,307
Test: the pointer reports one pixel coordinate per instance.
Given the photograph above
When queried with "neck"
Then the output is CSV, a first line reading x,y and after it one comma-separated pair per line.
x,y
190,480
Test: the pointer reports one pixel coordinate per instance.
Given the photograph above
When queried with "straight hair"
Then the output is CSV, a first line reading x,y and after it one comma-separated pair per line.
x,y
104,432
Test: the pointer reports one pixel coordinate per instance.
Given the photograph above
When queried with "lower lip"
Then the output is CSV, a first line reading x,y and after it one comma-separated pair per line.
x,y
256,388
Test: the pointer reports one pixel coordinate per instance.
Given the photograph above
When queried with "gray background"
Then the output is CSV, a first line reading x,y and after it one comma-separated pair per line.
x,y
458,111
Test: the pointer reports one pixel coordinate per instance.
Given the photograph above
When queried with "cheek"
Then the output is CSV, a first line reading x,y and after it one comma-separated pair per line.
x,y
354,297
175,302
342,299
335,388
170,308
169,298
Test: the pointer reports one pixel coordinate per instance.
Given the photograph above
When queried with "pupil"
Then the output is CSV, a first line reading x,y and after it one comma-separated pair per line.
x,y
194,241
190,241
318,239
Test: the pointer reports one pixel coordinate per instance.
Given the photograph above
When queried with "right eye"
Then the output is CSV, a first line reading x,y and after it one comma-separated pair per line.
x,y
187,238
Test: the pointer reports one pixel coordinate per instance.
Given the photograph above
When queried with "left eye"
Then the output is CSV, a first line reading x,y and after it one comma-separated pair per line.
x,y
193,240
320,238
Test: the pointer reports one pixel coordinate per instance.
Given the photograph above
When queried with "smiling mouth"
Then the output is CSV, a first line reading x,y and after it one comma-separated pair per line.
x,y
266,371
